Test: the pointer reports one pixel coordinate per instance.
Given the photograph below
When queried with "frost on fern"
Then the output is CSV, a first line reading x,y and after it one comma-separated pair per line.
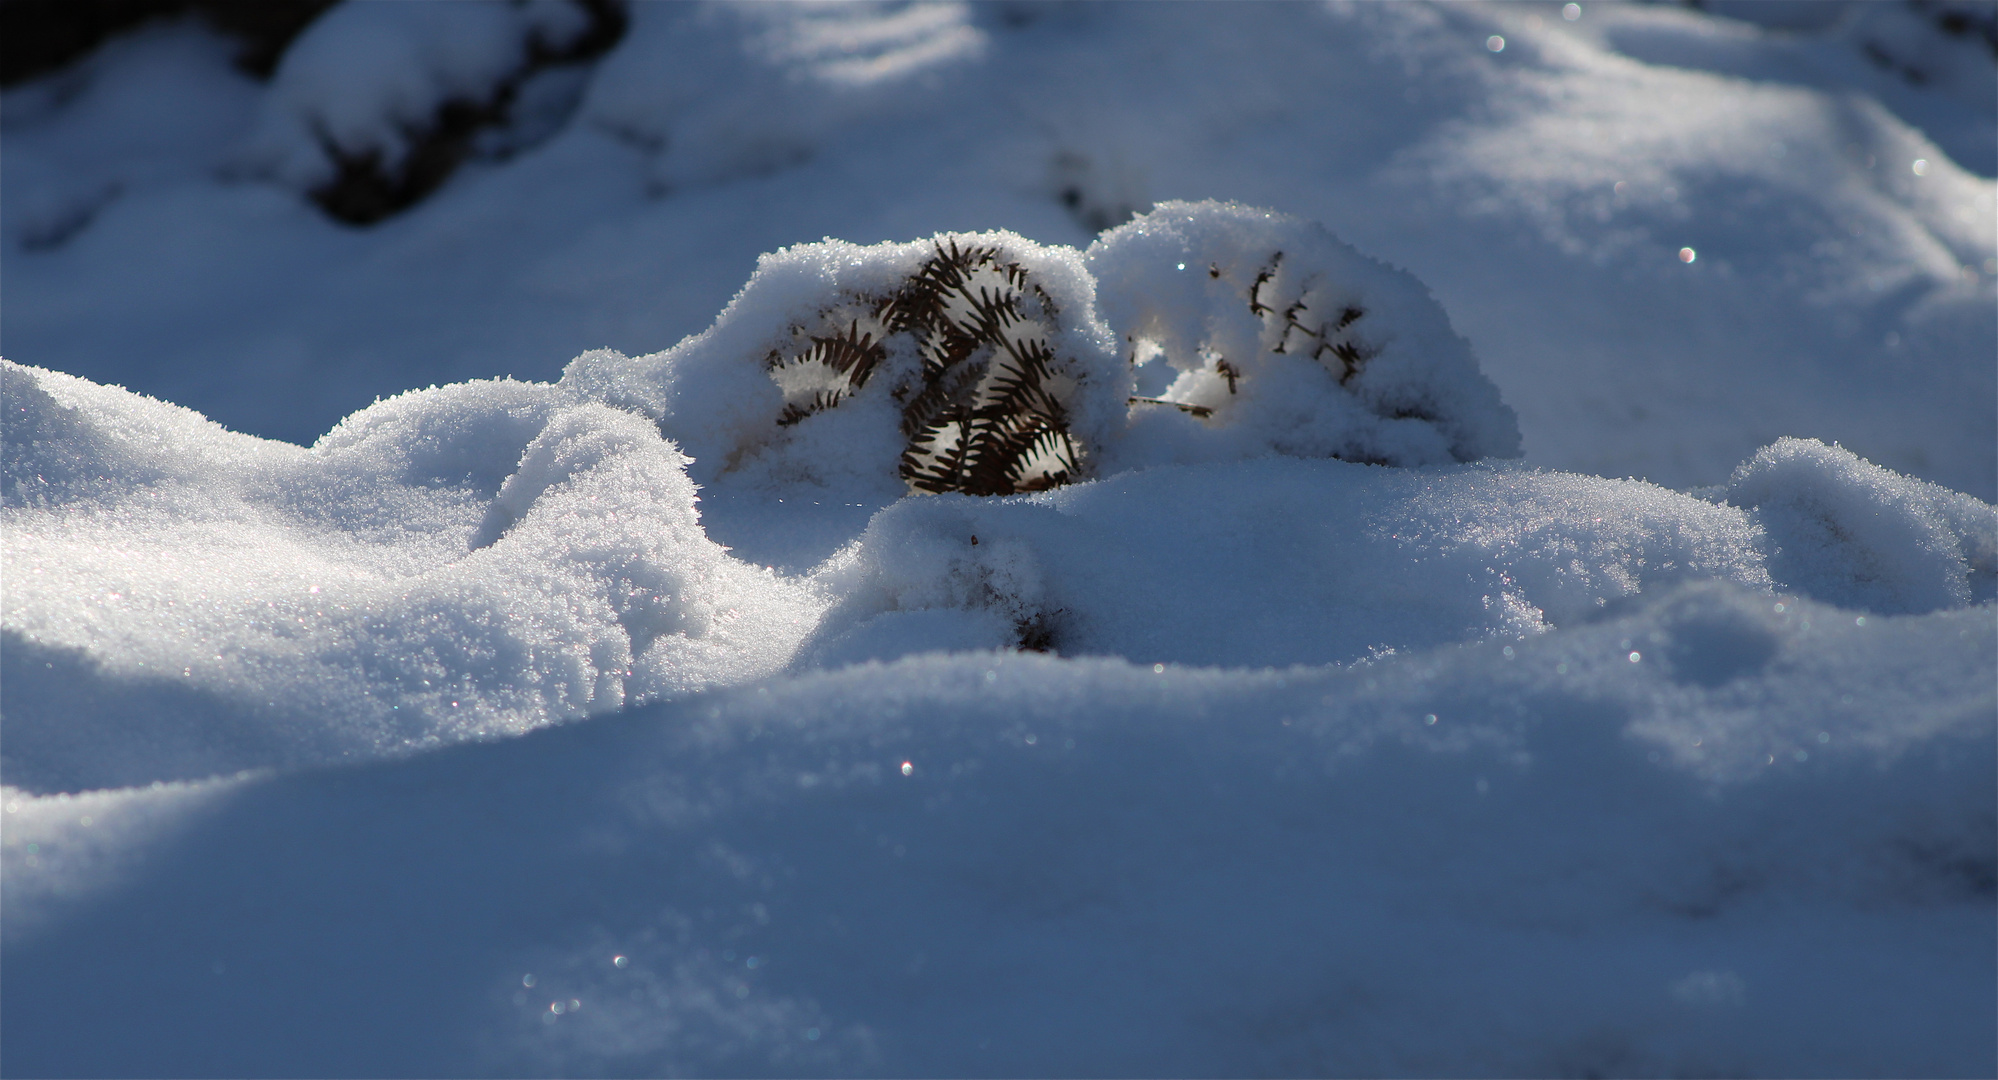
x,y
986,364
982,412
829,368
985,417
1299,329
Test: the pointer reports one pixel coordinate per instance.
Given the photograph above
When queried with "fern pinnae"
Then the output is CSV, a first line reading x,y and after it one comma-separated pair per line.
x,y
980,415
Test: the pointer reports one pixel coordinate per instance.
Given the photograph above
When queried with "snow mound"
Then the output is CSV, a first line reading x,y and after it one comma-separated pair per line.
x,y
1243,313
453,563
1714,834
485,558
1852,533
1269,562
489,557
157,108
713,92
1930,61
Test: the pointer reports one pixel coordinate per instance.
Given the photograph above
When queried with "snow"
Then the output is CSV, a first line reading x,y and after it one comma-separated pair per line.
x,y
1849,531
361,79
460,562
1175,280
1476,640
1837,294
1757,850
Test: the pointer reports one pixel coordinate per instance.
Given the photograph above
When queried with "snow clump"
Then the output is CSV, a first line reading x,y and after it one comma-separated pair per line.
x,y
454,563
1848,531
1239,314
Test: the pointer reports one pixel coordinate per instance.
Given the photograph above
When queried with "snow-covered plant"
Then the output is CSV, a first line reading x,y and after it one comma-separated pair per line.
x,y
1267,334
985,413
986,416
970,363
976,363
374,105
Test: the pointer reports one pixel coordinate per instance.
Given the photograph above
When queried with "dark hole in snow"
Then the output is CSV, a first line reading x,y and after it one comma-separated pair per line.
x,y
1962,873
1096,196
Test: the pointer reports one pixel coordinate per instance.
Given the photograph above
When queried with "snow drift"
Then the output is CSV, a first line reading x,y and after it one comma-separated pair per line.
x,y
1717,832
485,558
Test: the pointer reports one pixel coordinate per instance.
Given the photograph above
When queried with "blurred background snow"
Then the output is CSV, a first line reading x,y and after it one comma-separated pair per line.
x,y
424,193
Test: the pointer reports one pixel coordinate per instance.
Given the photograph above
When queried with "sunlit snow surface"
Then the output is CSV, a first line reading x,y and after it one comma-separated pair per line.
x,y
599,723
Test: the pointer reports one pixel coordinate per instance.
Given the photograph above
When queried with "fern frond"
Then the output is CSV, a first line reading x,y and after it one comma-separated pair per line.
x,y
1200,412
981,416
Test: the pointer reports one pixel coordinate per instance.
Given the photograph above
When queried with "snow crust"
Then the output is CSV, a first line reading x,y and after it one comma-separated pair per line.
x,y
1349,715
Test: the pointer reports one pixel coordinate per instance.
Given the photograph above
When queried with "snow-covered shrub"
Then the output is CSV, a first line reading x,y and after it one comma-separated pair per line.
x,y
973,363
375,104
986,415
1258,333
